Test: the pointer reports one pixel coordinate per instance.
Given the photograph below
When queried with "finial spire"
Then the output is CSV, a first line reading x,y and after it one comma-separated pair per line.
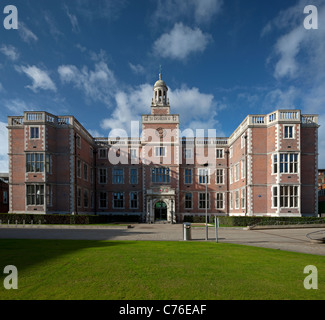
x,y
160,72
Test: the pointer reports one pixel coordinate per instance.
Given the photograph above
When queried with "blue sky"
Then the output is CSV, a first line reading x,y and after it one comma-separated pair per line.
x,y
98,60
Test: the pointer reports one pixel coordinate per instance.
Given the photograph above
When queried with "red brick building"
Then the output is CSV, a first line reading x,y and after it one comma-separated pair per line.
x,y
267,167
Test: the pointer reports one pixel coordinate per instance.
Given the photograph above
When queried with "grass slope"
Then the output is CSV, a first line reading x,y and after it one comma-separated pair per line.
x,y
116,270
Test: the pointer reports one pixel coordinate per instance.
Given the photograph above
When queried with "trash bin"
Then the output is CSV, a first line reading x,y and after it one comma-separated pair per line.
x,y
187,231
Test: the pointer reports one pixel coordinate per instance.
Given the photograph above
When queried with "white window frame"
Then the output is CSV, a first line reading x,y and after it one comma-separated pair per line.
x,y
218,200
218,176
99,175
123,200
218,150
236,171
275,163
231,175
137,200
165,174
186,156
134,154
231,200
284,131
242,168
106,199
118,175
188,176
134,175
243,140
158,152
206,201
203,177
275,196
289,196
30,132
237,199
185,200
289,163
243,198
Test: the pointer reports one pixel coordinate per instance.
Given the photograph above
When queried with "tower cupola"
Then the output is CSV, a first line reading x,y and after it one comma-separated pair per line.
x,y
160,92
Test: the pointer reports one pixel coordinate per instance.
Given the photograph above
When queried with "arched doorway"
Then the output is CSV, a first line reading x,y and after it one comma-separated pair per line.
x,y
160,211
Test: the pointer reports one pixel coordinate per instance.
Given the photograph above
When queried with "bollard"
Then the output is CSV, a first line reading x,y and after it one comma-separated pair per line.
x,y
16,223
217,227
187,232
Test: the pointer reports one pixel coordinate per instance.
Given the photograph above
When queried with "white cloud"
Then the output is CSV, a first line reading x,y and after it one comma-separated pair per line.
x,y
281,99
138,69
94,10
40,78
180,42
288,48
299,62
197,110
26,34
73,20
201,12
55,32
98,84
10,51
95,133
16,107
130,105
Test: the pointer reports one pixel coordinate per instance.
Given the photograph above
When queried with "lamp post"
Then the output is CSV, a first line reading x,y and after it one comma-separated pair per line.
x,y
206,202
172,211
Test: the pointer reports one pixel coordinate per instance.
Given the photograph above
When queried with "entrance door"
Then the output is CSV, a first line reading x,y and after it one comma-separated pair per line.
x,y
161,211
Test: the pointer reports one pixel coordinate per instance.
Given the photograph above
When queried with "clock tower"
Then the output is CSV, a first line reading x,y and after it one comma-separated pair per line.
x,y
160,157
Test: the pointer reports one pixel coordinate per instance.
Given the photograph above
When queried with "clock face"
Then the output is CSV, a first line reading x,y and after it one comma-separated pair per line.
x,y
160,132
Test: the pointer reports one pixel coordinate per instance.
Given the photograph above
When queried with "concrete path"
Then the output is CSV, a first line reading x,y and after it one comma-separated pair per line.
x,y
282,239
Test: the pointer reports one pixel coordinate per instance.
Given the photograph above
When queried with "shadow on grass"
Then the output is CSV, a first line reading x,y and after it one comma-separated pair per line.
x,y
27,253
25,248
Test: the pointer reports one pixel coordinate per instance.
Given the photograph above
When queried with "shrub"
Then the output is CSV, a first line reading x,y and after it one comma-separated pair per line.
x,y
66,219
251,221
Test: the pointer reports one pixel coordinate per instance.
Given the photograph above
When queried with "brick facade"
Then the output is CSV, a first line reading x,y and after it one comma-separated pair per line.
x,y
268,167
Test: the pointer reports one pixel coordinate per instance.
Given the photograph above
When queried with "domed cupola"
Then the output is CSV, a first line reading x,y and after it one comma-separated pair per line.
x,y
160,92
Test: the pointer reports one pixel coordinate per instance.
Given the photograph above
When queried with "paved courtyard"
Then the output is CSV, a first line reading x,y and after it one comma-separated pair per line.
x,y
281,239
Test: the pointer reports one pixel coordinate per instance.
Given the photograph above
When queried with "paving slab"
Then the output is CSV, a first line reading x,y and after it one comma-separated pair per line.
x,y
294,240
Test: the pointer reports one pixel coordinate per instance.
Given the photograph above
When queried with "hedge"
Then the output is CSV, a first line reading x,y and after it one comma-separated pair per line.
x,y
66,219
251,221
99,219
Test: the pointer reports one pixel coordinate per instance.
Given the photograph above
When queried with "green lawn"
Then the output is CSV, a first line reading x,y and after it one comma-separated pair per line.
x,y
120,270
